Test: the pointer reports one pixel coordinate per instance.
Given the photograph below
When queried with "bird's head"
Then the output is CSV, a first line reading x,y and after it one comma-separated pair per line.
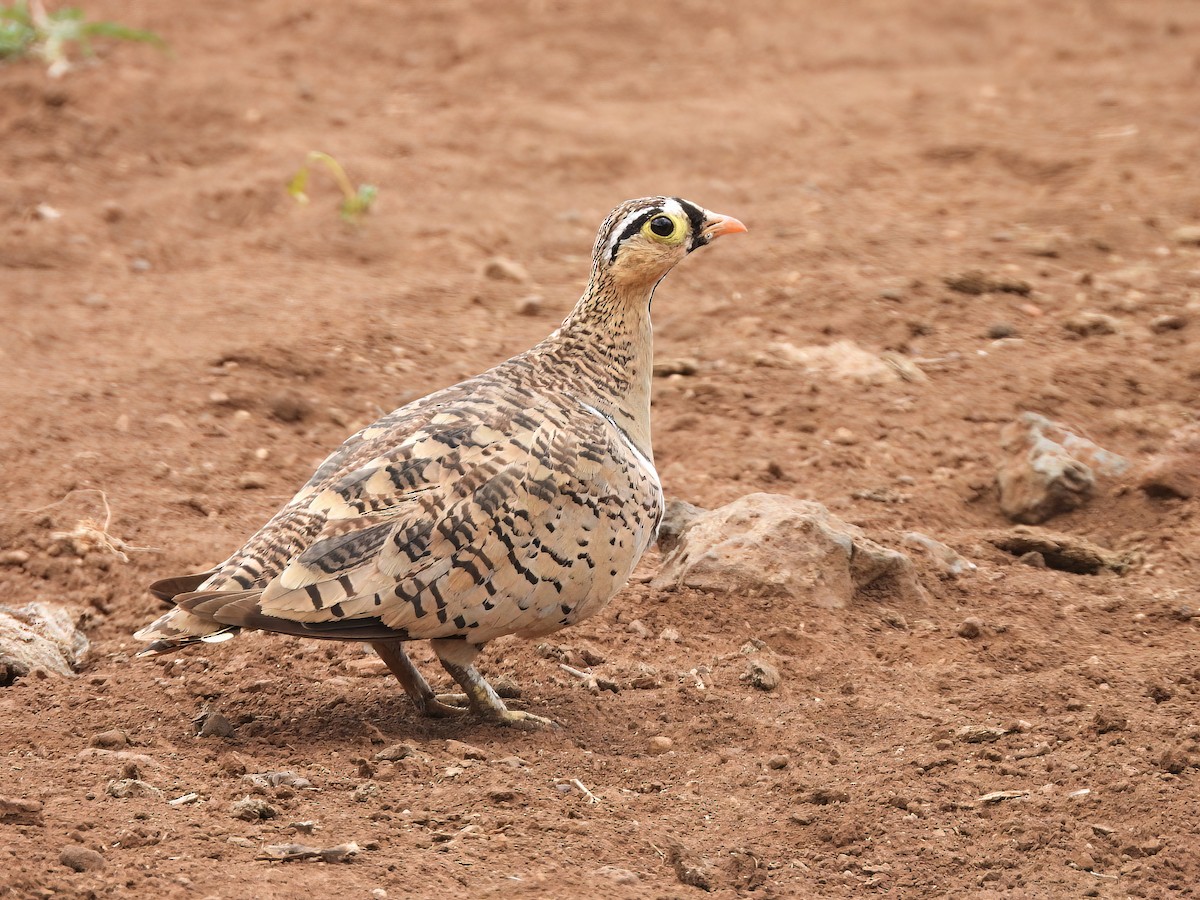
x,y
641,240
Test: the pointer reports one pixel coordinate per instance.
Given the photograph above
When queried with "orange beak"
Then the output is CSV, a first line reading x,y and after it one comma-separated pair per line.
x,y
716,225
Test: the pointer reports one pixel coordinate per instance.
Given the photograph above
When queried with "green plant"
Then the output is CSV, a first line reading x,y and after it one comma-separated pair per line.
x,y
356,202
26,28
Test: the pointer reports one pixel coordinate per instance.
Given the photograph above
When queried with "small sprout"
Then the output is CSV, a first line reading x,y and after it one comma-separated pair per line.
x,y
26,28
355,202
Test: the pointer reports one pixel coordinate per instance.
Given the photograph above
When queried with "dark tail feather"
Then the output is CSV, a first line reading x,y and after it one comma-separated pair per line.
x,y
166,589
241,609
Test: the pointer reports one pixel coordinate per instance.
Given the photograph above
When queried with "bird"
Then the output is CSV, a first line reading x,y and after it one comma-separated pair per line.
x,y
516,502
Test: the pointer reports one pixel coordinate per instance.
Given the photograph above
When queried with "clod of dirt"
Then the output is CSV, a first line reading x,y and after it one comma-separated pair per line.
x,y
499,268
659,745
1168,322
289,407
1187,235
40,635
949,561
969,628
826,796
684,365
762,675
772,545
1065,552
843,360
464,751
113,739
779,761
125,788
293,852
1000,330
15,811
395,752
80,859
1175,471
699,873
252,809
1090,324
975,283
617,875
213,724
1176,761
979,734
1050,469
1106,721
530,306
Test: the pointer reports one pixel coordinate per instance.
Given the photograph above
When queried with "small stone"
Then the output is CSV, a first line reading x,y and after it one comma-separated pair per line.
x,y
396,751
969,628
125,788
680,366
252,809
252,481
14,558
1033,559
1088,324
80,858
660,745
1187,234
511,762
1175,761
530,305
499,268
762,675
779,761
1106,721
670,635
289,407
1165,323
140,264
975,283
844,436
617,875
114,739
637,627
464,751
94,301
112,211
213,724
1001,330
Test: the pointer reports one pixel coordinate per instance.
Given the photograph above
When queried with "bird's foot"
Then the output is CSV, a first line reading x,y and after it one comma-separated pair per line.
x,y
526,721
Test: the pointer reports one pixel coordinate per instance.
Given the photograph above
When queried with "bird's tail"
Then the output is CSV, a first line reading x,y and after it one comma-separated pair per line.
x,y
180,628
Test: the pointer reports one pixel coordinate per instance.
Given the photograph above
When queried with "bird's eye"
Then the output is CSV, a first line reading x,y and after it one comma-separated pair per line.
x,y
663,226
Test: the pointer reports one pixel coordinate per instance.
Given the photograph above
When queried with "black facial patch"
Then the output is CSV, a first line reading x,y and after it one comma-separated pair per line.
x,y
633,228
696,220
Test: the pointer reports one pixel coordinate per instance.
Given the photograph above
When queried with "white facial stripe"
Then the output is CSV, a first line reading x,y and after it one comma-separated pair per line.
x,y
668,205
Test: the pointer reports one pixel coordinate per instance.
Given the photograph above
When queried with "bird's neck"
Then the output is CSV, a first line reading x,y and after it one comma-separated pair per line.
x,y
607,343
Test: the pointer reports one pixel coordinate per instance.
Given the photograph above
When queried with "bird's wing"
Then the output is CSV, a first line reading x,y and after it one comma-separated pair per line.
x,y
456,529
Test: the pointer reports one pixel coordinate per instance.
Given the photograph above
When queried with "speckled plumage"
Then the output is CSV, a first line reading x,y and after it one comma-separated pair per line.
x,y
516,502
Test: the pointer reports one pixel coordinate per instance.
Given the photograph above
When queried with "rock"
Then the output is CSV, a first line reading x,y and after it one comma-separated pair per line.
x,y
529,306
213,724
617,875
1001,330
969,628
768,545
844,360
125,788
1168,322
657,746
948,559
396,751
80,858
1106,721
1187,235
762,675
1174,471
1089,323
292,852
289,407
498,268
698,873
677,518
975,283
680,366
252,809
1140,277
1050,470
464,751
670,635
14,557
265,780
1065,552
779,761
844,436
40,635
16,811
979,734
252,481
114,739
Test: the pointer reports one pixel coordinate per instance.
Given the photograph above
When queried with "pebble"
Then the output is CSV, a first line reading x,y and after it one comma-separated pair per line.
x,y
126,788
617,875
114,739
671,635
1187,234
1161,324
969,628
214,724
500,268
289,407
1088,324
529,306
112,211
779,761
681,366
252,481
1001,330
140,264
252,809
80,859
14,558
395,752
464,751
636,627
660,745
762,675
844,436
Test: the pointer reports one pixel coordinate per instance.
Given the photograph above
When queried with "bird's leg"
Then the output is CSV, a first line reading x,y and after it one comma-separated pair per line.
x,y
456,657
438,706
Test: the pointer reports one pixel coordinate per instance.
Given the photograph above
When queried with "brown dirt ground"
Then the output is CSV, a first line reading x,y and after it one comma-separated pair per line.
x,y
153,332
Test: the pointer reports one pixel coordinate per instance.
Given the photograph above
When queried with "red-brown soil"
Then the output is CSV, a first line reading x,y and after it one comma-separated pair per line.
x,y
157,335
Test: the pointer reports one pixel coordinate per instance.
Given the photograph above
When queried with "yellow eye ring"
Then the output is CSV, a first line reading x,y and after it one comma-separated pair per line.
x,y
664,229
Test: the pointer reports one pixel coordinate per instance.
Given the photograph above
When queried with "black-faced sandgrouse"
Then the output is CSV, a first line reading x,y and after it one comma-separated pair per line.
x,y
516,502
